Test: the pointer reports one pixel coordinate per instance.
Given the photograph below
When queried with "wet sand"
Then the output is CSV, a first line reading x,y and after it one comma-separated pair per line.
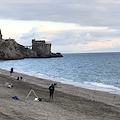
x,y
70,102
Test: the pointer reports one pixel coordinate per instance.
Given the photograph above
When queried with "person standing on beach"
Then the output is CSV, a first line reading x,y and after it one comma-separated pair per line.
x,y
11,71
51,90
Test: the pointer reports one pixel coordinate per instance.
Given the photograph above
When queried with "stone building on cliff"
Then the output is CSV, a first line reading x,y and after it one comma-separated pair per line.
x,y
10,49
42,48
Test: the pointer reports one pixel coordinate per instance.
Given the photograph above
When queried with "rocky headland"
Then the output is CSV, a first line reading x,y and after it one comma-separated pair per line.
x,y
10,49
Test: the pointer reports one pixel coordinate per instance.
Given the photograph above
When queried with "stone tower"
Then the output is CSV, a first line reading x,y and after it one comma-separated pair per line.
x,y
42,48
0,35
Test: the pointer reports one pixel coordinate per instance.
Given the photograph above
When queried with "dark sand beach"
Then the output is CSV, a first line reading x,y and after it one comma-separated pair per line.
x,y
70,102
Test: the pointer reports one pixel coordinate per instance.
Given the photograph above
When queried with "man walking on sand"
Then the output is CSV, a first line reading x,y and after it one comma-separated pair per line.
x,y
51,90
11,71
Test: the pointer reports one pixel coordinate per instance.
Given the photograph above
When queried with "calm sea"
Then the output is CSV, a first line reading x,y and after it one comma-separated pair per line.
x,y
98,71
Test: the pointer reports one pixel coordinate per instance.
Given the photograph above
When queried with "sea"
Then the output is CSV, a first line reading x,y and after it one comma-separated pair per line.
x,y
96,71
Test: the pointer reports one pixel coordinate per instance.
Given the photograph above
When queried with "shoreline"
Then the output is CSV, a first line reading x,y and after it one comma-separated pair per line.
x,y
87,85
70,102
67,88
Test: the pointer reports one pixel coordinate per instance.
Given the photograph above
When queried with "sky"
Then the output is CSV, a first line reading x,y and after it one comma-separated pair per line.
x,y
71,26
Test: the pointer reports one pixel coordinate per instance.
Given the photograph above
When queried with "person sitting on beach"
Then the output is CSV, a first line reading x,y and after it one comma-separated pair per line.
x,y
51,90
19,78
10,86
11,71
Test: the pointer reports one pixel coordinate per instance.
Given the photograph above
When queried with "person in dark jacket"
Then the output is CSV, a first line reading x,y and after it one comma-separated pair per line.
x,y
51,90
11,71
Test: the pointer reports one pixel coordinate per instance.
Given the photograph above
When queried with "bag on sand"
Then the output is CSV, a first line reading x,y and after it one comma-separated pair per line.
x,y
15,98
38,99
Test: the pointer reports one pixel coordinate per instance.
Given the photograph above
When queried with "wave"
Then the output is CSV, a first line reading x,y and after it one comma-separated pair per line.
x,y
103,87
86,85
82,70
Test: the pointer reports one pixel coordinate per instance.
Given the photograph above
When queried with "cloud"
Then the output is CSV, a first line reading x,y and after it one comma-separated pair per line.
x,y
82,39
71,26
83,12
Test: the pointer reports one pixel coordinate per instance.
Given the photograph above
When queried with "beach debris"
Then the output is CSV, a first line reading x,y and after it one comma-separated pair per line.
x,y
31,92
15,98
40,99
37,98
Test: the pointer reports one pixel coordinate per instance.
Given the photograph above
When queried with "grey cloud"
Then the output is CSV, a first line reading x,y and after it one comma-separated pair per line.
x,y
83,12
69,38
66,37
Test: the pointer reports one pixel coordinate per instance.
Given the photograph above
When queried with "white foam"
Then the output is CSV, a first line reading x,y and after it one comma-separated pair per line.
x,y
87,85
103,87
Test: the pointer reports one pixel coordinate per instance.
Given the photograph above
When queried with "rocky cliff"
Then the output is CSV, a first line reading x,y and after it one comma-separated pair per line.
x,y
10,49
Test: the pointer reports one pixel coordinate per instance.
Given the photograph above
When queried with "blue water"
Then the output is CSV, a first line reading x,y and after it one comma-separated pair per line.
x,y
99,71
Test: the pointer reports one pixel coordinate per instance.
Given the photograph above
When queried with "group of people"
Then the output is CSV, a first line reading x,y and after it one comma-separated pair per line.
x,y
19,78
51,88
11,72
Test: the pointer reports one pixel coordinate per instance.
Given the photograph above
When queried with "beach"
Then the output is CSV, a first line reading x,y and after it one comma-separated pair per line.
x,y
69,103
